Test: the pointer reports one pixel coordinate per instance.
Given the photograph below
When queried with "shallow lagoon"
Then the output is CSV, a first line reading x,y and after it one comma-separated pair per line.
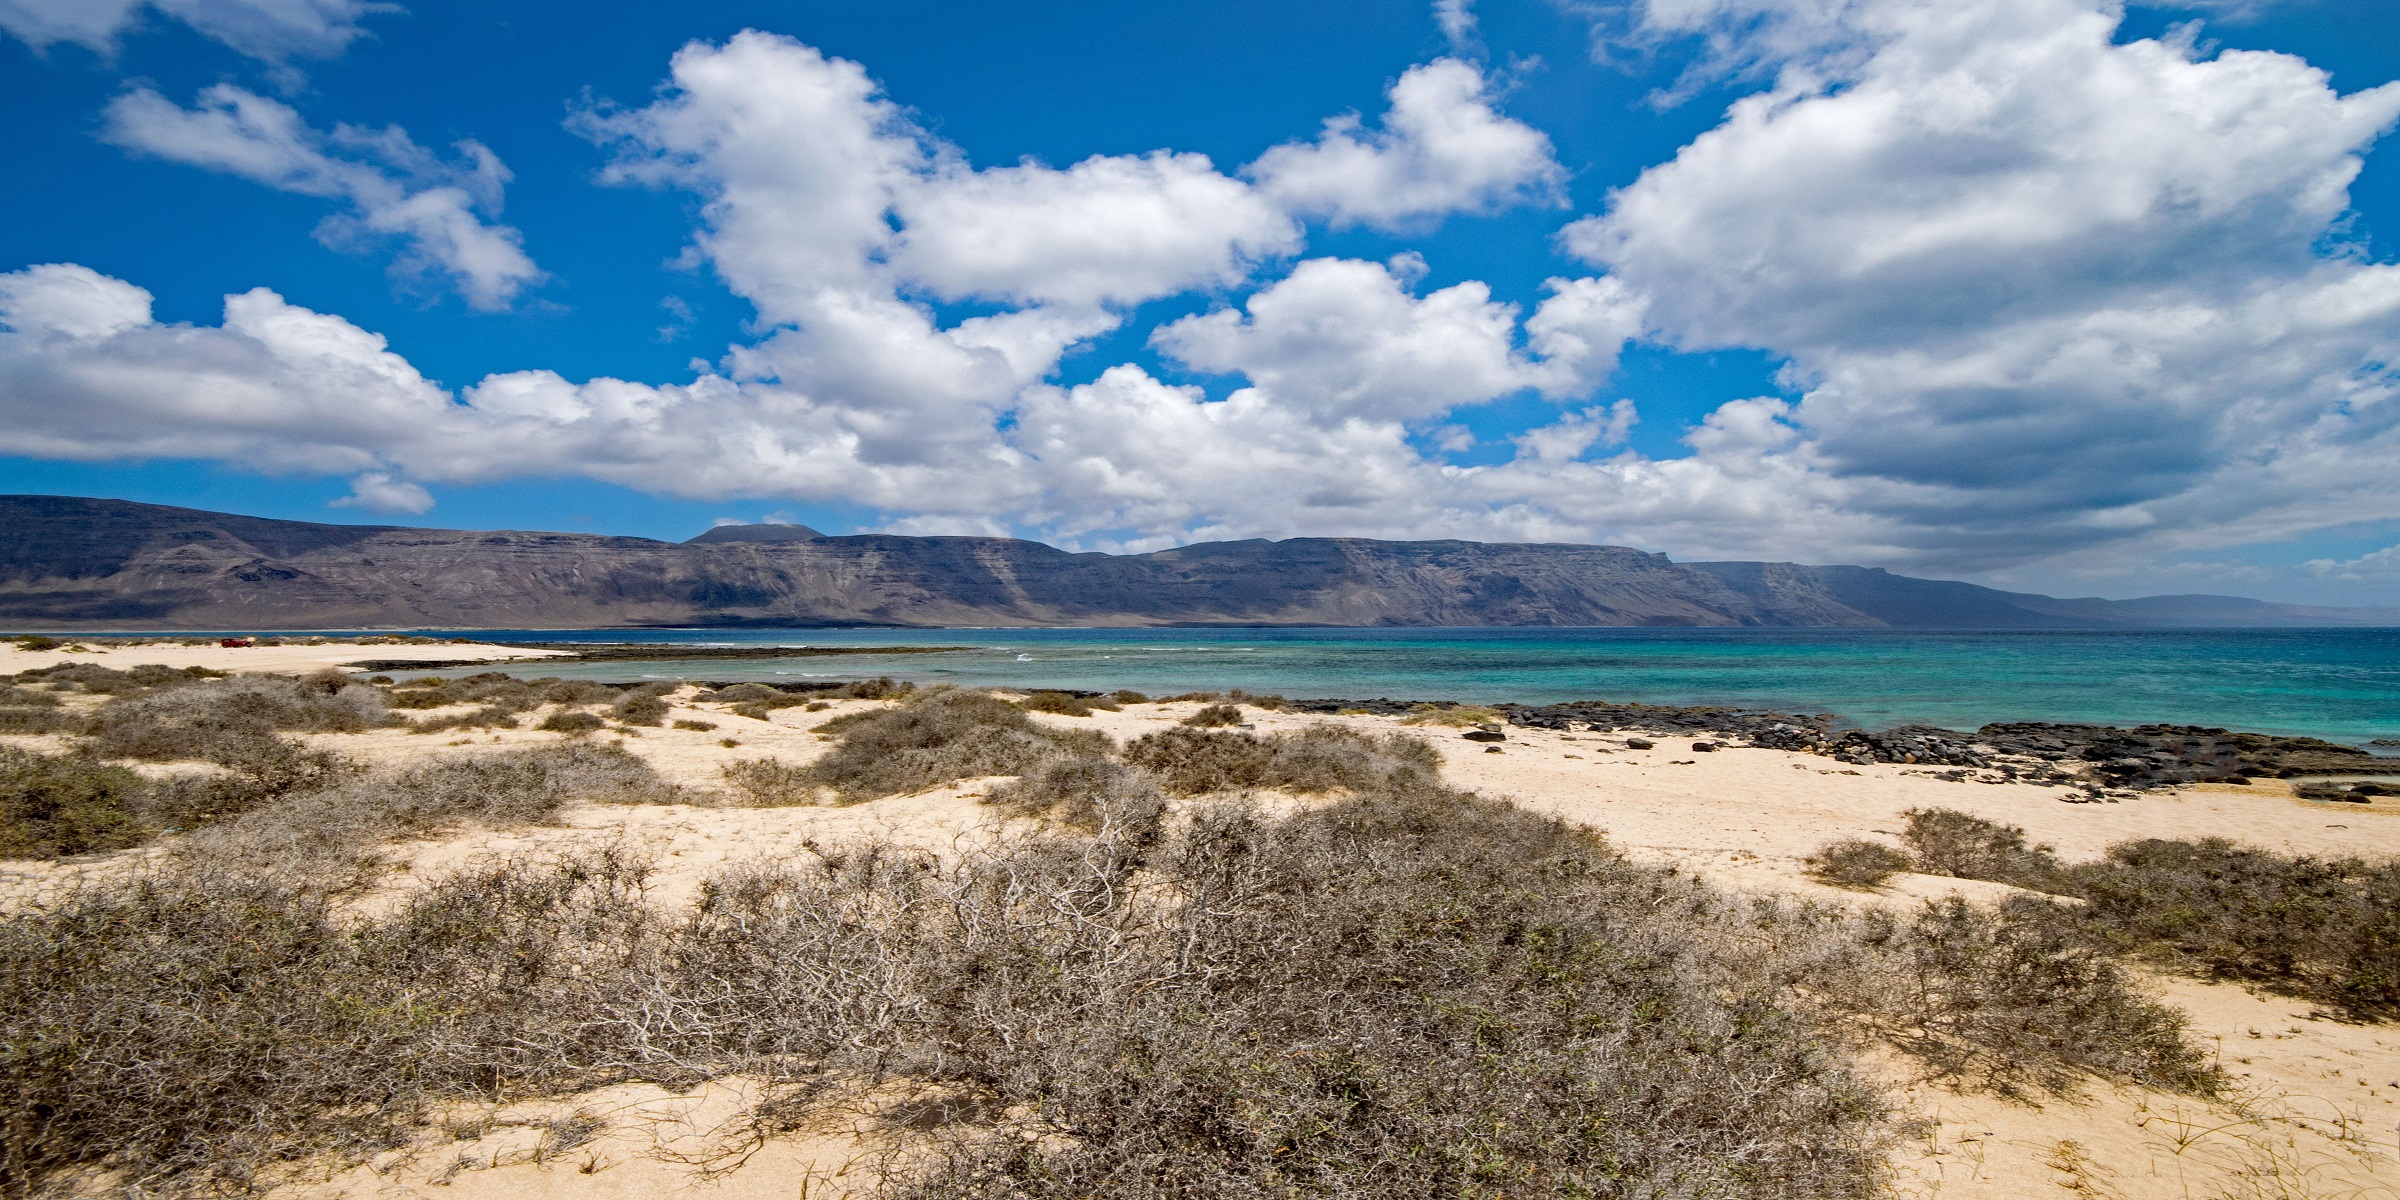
x,y
2343,685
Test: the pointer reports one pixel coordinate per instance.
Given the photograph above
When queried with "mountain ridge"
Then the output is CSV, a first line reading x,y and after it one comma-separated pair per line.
x,y
84,563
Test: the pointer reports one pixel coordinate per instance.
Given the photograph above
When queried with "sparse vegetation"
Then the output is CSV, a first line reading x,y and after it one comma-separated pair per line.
x,y
571,722
1068,704
2327,930
1215,716
492,716
1320,758
1858,864
1406,991
228,721
2324,929
1458,716
645,705
940,738
334,828
756,700
57,805
1087,793
1948,842
2019,1000
697,726
771,782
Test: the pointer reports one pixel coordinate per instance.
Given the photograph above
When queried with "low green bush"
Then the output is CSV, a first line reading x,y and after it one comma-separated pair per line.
x,y
940,738
221,721
57,805
1948,842
571,722
2022,1000
1215,716
2324,929
1320,758
771,783
1068,704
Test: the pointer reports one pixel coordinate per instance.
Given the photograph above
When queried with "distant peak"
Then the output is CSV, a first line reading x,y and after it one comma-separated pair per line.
x,y
756,533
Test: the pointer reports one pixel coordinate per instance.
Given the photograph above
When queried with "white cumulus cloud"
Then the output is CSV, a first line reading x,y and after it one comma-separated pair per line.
x,y
272,30
2030,275
1341,337
395,188
2044,296
1442,148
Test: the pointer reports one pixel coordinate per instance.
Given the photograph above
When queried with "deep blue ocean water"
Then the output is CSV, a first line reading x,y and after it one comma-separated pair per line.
x,y
2343,685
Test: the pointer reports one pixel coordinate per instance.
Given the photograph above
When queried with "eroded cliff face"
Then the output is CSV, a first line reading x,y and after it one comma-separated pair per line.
x,y
73,563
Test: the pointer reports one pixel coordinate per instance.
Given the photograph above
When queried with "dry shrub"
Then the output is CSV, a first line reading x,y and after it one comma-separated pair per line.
x,y
772,783
1962,846
1215,716
57,805
132,681
1088,793
575,693
489,717
940,738
1411,992
335,827
571,722
493,689
2327,930
696,726
1455,715
1128,696
489,688
1857,863
219,722
1320,758
756,700
189,1031
1403,995
645,705
2324,929
1068,704
31,720
2020,1000
882,687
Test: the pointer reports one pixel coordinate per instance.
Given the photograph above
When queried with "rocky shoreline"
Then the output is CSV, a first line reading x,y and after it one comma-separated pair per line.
x,y
2102,759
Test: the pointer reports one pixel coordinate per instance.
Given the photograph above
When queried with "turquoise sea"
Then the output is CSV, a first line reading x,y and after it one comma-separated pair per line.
x,y
2343,685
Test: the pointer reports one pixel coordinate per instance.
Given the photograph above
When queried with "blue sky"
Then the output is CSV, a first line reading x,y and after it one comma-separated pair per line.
x,y
2033,292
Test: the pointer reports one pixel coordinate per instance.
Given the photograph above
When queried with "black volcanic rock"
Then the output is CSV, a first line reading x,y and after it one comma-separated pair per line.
x,y
73,563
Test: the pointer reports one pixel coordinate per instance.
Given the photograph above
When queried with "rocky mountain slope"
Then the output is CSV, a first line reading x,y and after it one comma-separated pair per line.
x,y
75,563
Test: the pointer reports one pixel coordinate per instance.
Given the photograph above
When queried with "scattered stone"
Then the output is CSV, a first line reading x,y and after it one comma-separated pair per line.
x,y
1704,747
1484,735
2099,758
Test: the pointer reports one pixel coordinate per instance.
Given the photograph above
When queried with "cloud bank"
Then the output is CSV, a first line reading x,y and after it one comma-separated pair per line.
x,y
2042,296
